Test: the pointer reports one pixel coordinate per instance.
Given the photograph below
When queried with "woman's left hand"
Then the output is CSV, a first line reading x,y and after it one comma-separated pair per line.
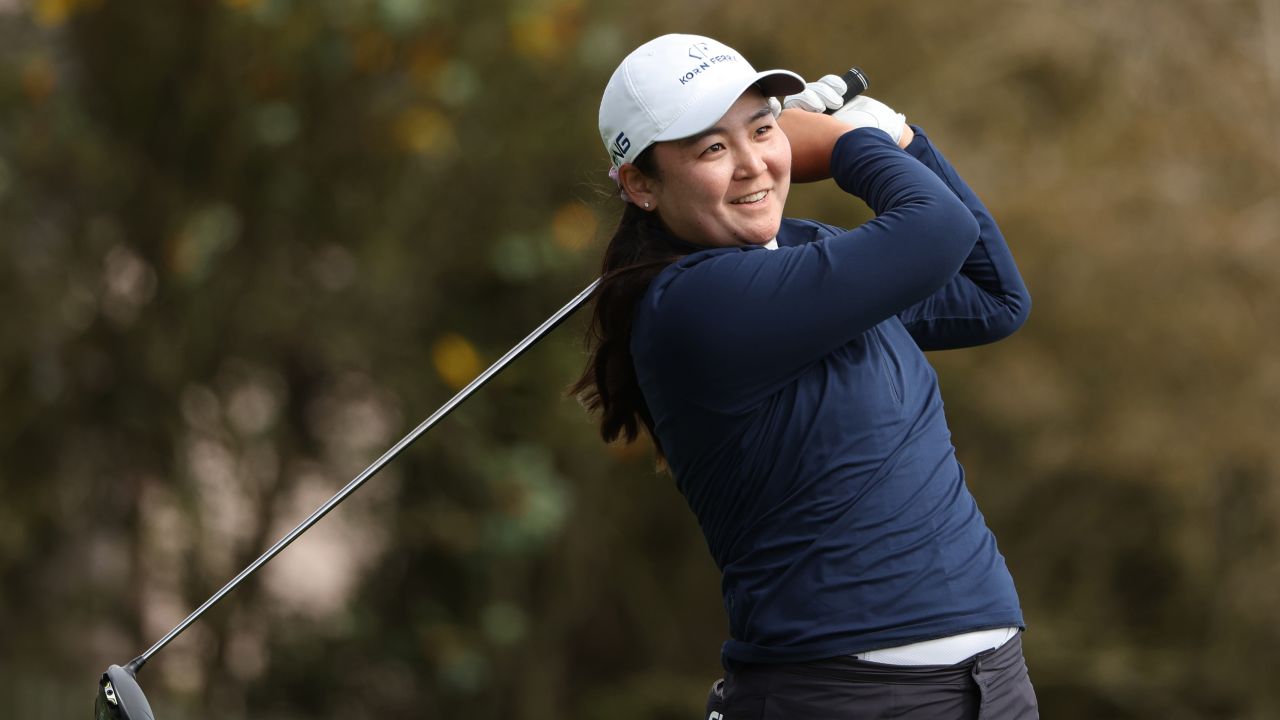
x,y
866,111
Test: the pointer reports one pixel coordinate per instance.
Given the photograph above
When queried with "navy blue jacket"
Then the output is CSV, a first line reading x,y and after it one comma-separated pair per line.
x,y
803,424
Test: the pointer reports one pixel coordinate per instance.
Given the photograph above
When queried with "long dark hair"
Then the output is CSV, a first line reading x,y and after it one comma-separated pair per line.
x,y
639,249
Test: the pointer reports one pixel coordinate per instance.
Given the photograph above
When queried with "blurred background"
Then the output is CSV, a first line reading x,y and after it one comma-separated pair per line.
x,y
245,245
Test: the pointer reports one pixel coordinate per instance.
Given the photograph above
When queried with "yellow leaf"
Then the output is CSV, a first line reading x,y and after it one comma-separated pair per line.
x,y
456,360
573,226
425,131
52,13
547,34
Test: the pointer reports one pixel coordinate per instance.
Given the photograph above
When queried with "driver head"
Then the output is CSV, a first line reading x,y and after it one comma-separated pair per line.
x,y
120,697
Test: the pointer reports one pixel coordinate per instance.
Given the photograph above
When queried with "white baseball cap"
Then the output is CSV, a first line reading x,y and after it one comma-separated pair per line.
x,y
676,86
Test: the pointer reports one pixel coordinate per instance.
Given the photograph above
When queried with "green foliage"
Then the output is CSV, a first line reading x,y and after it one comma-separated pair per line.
x,y
247,244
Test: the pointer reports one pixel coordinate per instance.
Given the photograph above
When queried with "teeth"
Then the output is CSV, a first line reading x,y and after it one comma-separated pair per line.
x,y
754,197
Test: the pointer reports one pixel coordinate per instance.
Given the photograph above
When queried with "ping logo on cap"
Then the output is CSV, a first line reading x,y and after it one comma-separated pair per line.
x,y
621,145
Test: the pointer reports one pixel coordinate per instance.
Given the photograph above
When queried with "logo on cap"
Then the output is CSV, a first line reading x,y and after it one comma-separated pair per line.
x,y
621,145
705,62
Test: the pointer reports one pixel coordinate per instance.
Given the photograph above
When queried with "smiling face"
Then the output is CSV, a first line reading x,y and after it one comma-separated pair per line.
x,y
725,186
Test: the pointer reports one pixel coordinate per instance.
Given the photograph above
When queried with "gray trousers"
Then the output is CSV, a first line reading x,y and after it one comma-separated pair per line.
x,y
992,685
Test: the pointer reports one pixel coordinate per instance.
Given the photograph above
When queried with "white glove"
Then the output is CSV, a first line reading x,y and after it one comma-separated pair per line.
x,y
826,94
864,111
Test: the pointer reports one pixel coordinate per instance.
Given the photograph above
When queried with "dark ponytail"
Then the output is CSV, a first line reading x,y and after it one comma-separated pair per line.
x,y
639,249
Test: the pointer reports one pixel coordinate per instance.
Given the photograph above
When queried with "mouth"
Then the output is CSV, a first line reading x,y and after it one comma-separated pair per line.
x,y
754,198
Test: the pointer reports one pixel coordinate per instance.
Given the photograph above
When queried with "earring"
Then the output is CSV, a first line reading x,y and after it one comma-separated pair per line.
x,y
646,206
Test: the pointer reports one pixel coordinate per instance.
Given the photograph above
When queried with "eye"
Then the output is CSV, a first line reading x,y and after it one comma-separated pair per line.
x,y
713,147
763,130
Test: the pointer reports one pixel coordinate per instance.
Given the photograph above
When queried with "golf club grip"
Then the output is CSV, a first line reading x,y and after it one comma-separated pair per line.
x,y
856,83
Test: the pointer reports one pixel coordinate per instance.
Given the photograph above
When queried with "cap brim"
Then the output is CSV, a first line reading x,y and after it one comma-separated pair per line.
x,y
707,110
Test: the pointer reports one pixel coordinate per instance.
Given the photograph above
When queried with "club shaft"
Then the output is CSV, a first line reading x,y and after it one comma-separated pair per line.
x,y
542,330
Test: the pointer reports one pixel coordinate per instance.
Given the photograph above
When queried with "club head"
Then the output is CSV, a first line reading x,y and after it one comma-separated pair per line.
x,y
120,697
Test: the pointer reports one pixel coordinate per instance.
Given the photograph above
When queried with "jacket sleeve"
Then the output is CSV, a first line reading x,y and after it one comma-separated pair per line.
x,y
731,325
987,300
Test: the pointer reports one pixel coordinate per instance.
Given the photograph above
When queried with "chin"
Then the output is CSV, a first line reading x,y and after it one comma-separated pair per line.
x,y
763,235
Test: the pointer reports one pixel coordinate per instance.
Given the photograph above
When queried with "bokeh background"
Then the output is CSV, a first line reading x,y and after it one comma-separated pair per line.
x,y
245,245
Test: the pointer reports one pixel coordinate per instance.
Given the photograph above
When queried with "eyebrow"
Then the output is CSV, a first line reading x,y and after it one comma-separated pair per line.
x,y
695,139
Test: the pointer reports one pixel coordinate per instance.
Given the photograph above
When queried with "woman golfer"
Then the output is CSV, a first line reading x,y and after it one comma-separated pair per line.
x,y
778,366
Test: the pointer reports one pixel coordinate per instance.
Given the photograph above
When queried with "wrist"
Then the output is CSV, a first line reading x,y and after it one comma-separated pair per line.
x,y
906,137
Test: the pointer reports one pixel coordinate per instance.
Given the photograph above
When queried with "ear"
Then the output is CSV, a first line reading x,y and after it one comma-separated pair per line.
x,y
639,187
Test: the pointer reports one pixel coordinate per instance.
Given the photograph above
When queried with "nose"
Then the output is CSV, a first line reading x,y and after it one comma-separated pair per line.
x,y
750,162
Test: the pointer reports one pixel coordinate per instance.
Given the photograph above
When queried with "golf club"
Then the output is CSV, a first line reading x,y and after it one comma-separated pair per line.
x,y
119,695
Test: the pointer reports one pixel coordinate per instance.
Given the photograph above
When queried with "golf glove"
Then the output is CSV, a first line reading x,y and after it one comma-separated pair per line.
x,y
826,94
864,111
